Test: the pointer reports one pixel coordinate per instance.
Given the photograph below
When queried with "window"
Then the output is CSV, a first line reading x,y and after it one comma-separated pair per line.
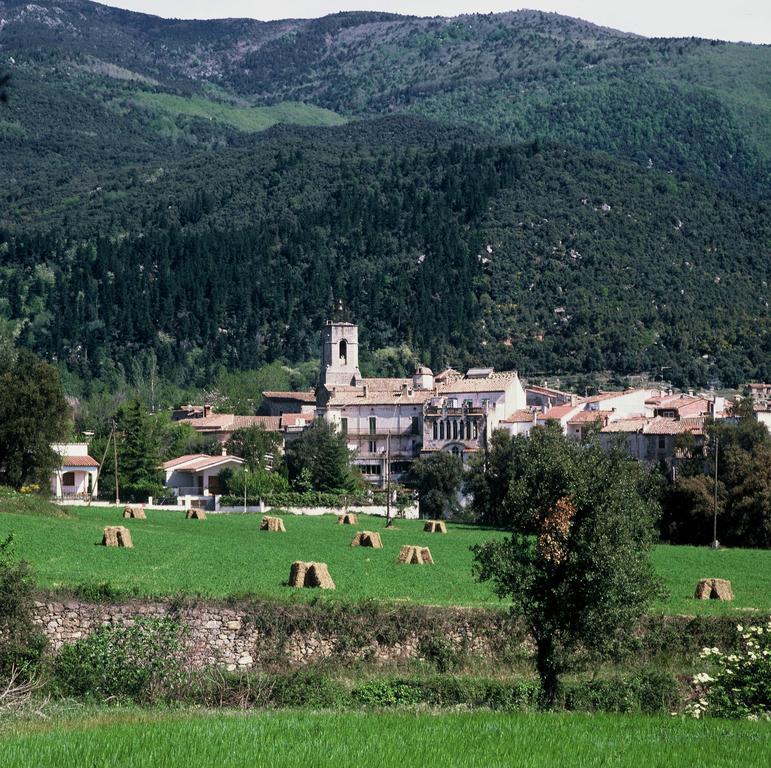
x,y
344,352
454,429
344,425
373,446
662,442
415,425
68,478
462,430
441,430
455,450
373,425
369,469
215,486
476,430
436,430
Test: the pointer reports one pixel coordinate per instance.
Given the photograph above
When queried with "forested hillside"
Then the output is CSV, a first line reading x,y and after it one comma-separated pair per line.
x,y
523,190
532,256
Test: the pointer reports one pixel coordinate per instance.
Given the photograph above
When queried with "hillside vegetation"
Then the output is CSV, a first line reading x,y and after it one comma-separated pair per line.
x,y
523,189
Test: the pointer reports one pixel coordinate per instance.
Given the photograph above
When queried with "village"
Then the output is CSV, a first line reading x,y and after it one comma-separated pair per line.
x,y
388,423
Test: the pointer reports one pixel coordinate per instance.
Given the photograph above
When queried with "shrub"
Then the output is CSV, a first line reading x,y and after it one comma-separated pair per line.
x,y
740,683
141,663
21,642
308,688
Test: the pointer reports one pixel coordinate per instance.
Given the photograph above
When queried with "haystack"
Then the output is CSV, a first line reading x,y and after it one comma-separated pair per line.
x,y
412,555
347,519
714,589
435,526
194,513
117,536
134,512
272,524
310,575
367,539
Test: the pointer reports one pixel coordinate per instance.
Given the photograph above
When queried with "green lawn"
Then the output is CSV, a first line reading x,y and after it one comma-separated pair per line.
x,y
278,739
227,555
244,118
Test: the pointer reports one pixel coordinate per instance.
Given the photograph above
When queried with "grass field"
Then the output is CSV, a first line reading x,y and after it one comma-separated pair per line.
x,y
227,555
244,118
153,740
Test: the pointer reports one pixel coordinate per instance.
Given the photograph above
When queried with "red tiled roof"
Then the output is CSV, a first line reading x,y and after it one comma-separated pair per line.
x,y
588,417
196,461
79,461
303,397
557,412
296,419
519,417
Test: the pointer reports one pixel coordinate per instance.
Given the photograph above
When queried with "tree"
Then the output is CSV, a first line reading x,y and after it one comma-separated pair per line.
x,y
254,445
139,455
582,578
320,457
33,415
437,478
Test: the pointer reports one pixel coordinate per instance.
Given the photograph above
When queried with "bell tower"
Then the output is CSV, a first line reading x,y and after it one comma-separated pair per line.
x,y
340,354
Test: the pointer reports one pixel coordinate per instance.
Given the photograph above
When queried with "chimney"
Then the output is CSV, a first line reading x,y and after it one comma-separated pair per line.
x,y
366,390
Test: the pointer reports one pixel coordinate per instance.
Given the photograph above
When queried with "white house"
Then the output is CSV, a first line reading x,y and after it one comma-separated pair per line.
x,y
77,475
197,474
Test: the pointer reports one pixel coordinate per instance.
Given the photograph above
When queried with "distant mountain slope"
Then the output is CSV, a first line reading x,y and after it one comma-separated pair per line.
x,y
541,258
687,105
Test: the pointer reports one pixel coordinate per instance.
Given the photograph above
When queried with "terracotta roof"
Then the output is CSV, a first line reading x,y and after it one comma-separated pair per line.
x,y
519,417
658,425
303,397
495,382
198,461
355,396
296,419
228,422
549,391
589,417
79,461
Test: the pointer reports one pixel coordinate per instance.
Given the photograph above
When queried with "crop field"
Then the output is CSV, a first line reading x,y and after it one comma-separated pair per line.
x,y
153,740
226,555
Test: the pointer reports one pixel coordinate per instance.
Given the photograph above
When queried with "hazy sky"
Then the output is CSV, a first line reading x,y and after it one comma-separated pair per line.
x,y
748,20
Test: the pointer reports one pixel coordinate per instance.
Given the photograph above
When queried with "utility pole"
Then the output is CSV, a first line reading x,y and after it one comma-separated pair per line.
x,y
715,543
115,460
388,480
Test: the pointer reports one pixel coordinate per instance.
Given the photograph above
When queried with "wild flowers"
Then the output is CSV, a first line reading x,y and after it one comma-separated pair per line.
x,y
739,685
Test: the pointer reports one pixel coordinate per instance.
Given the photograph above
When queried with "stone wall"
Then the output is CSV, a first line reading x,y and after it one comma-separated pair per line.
x,y
265,634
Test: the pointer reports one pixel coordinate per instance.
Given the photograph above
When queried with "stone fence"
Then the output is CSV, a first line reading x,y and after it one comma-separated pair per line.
x,y
264,634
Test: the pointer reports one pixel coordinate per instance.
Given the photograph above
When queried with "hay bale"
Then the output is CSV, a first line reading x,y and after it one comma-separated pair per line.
x,y
310,575
367,539
194,513
272,524
714,589
435,526
117,536
347,519
412,555
134,512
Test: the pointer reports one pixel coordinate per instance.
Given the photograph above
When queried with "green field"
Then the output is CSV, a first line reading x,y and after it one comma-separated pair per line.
x,y
152,740
244,118
227,555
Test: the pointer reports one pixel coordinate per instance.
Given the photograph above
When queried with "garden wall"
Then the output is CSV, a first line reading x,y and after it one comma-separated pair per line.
x,y
279,636
267,634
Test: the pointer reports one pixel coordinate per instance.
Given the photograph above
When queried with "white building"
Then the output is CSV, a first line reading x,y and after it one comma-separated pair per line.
x,y
197,474
77,475
390,422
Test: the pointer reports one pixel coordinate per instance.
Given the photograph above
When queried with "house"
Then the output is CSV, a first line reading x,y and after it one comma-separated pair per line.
x,y
197,474
681,405
221,426
280,403
389,422
547,397
655,439
521,422
77,475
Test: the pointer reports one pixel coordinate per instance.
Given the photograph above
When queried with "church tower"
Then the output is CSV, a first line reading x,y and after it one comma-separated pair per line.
x,y
340,354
